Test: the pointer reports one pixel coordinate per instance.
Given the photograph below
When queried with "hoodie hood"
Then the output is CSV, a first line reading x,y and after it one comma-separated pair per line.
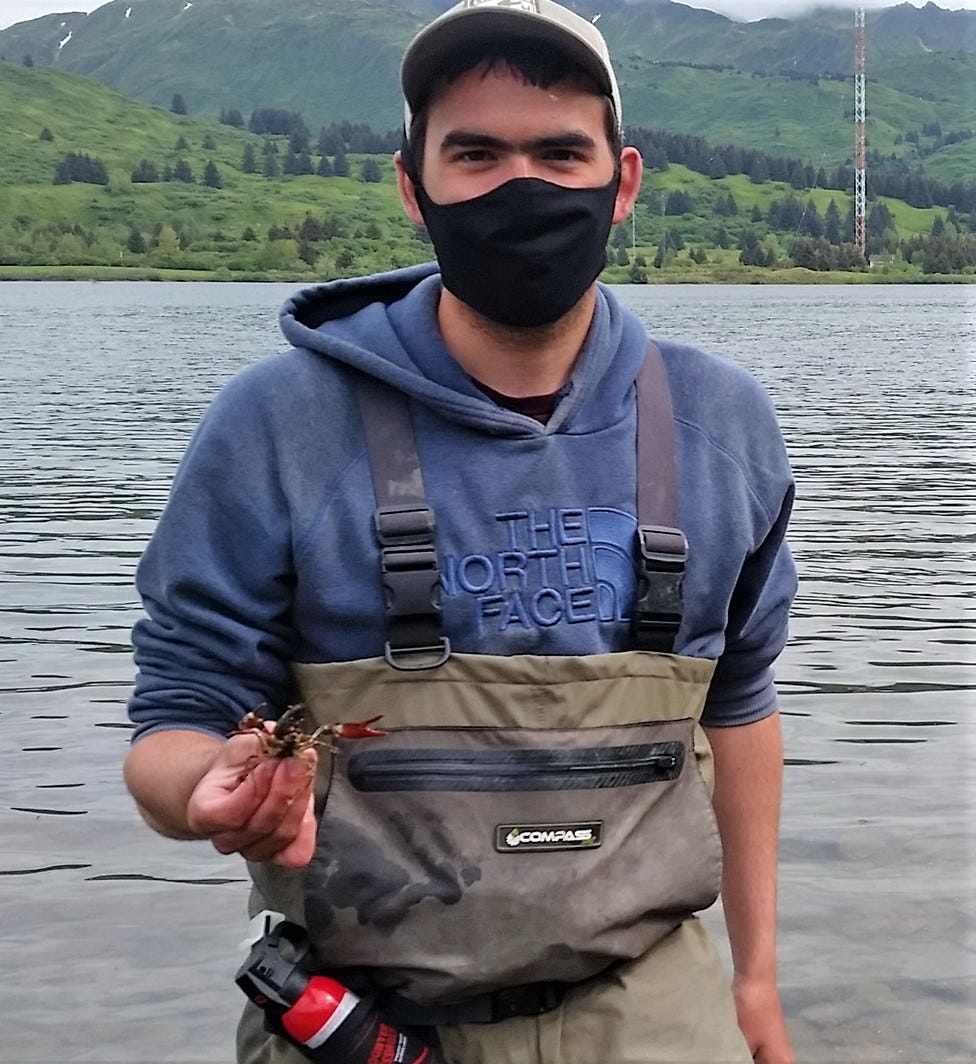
x,y
385,325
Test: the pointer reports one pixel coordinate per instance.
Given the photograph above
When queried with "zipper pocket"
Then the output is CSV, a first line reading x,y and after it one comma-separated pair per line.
x,y
594,768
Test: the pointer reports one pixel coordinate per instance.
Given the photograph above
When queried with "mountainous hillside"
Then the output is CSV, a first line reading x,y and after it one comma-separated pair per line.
x,y
780,85
94,184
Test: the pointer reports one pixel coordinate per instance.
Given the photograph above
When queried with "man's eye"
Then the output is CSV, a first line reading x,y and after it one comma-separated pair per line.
x,y
563,155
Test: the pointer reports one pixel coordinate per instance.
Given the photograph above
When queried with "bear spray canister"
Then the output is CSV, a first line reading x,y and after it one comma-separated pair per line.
x,y
326,1021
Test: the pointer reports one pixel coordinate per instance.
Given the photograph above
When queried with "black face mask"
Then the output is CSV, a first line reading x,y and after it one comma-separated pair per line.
x,y
524,253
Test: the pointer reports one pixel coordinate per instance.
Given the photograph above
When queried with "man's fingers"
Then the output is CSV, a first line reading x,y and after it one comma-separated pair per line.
x,y
275,823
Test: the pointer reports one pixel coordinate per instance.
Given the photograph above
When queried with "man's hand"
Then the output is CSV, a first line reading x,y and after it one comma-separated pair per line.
x,y
193,786
760,1017
256,806
748,786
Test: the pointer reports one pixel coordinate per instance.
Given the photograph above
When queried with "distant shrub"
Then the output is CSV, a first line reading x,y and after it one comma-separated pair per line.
x,y
144,173
46,135
81,168
178,106
232,117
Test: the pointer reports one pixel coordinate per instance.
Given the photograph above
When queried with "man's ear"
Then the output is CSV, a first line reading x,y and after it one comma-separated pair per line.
x,y
407,190
631,172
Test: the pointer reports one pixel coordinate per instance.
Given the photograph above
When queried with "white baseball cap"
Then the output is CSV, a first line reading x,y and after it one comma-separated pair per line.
x,y
473,21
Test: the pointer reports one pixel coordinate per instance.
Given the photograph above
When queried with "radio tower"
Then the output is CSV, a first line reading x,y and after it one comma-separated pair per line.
x,y
860,226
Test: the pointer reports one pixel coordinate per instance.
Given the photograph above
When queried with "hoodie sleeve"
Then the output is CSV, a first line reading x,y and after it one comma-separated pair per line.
x,y
216,579
742,689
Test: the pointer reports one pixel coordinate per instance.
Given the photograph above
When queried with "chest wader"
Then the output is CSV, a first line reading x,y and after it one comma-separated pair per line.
x,y
528,821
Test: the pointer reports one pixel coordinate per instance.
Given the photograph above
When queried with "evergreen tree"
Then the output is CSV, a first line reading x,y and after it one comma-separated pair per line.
x,y
28,60
178,106
325,167
249,162
270,167
722,238
759,172
811,224
182,172
371,172
832,223
211,175
716,168
299,140
879,220
340,165
679,202
80,168
136,242
208,143
232,117
46,135
181,144
726,206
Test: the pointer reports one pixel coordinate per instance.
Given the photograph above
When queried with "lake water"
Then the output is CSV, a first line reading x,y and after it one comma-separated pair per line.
x,y
120,946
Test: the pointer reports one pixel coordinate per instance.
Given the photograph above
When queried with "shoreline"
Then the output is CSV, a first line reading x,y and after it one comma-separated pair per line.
x,y
613,275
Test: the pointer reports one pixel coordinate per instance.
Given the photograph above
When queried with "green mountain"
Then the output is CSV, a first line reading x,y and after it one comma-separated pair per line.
x,y
780,85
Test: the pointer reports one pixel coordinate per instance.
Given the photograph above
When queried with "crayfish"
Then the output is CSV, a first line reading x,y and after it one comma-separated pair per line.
x,y
289,738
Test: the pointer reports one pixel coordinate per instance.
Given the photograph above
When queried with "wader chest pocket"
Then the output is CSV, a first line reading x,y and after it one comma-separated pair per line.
x,y
593,768
582,846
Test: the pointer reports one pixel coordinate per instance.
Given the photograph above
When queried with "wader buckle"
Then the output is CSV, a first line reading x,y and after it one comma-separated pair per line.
x,y
662,553
532,1000
411,579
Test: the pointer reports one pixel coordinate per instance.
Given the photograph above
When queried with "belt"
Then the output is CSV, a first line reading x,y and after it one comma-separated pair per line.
x,y
533,999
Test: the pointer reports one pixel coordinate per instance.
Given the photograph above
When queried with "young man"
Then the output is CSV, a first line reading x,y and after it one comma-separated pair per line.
x,y
441,506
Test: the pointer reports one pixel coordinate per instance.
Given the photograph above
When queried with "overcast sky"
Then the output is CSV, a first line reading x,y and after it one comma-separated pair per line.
x,y
12,11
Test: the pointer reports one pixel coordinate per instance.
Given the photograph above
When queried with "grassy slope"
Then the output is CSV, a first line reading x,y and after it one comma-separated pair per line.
x,y
86,118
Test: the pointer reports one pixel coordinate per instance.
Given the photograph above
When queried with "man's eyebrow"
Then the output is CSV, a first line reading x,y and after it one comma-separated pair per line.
x,y
462,138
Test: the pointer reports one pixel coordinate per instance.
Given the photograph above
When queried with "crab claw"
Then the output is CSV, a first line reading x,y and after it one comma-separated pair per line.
x,y
358,729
